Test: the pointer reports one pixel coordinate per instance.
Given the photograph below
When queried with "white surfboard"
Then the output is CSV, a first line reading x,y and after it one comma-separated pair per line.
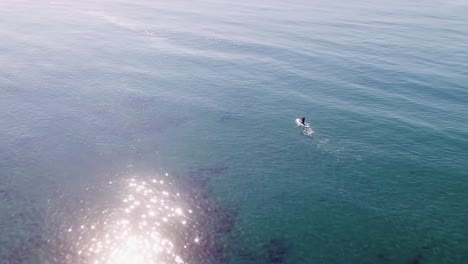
x,y
299,123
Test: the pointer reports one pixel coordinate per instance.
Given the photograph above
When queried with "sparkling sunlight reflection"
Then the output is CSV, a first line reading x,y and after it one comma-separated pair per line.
x,y
140,229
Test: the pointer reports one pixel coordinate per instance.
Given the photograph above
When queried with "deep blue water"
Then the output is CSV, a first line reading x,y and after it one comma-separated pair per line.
x,y
100,99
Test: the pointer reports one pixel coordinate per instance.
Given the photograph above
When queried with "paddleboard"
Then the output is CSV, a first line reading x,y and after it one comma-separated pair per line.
x,y
299,123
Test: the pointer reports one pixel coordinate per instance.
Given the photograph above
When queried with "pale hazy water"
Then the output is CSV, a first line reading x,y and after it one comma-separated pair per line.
x,y
100,99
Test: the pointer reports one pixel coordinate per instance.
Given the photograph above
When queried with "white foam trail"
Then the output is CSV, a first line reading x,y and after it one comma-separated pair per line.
x,y
308,131
116,21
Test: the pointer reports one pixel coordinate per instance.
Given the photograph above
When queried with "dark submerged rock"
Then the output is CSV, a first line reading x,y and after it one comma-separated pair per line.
x,y
382,257
416,259
213,170
276,250
226,220
228,117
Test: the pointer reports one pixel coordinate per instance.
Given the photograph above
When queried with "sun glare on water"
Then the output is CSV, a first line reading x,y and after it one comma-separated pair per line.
x,y
148,225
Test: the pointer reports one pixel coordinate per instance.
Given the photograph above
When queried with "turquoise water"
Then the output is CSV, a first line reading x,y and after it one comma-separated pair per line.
x,y
100,100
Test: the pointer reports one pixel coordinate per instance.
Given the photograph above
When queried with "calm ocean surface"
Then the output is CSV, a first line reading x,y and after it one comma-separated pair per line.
x,y
163,131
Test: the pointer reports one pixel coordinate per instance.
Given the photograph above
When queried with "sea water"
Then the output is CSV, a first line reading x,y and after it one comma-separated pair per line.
x,y
147,131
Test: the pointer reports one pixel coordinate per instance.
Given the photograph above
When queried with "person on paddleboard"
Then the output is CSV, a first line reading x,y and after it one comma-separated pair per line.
x,y
303,121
